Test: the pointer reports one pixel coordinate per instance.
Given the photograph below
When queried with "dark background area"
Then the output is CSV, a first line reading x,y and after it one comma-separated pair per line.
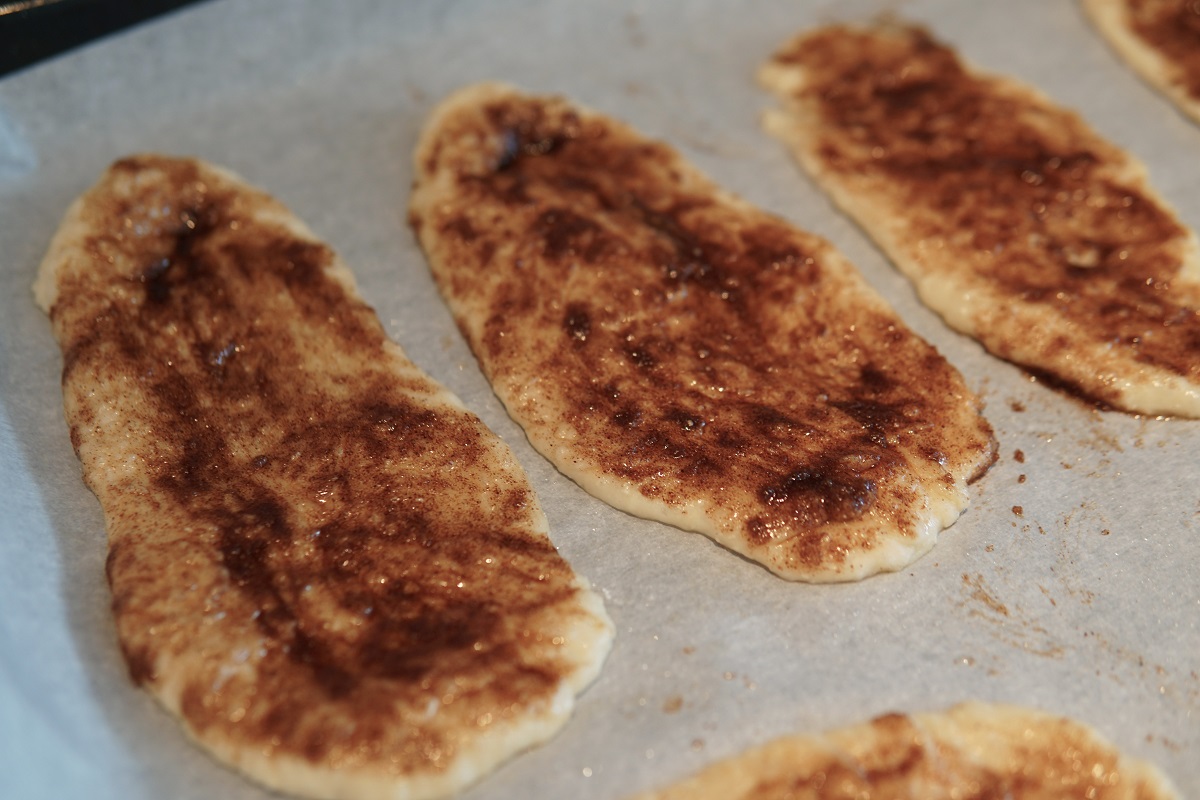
x,y
33,30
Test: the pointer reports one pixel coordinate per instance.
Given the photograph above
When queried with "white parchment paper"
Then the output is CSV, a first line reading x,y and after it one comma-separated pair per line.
x,y
1072,589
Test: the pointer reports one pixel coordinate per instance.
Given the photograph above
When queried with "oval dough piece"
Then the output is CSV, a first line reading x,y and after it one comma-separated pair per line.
x,y
1160,39
974,751
1017,223
683,355
336,577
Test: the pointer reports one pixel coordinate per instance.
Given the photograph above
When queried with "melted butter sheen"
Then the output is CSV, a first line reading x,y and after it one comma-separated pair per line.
x,y
312,552
681,354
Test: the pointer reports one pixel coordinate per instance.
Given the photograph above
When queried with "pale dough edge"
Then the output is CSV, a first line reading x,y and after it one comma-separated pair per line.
x,y
1154,392
1112,21
941,507
977,732
589,636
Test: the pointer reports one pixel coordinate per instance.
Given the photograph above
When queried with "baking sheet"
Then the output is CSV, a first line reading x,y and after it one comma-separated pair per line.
x,y
1072,589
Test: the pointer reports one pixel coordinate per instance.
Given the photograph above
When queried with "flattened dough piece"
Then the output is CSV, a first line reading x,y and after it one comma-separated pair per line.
x,y
337,577
1160,40
1017,223
685,356
974,751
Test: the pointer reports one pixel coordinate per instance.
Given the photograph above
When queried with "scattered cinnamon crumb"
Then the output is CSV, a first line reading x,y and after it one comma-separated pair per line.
x,y
981,594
